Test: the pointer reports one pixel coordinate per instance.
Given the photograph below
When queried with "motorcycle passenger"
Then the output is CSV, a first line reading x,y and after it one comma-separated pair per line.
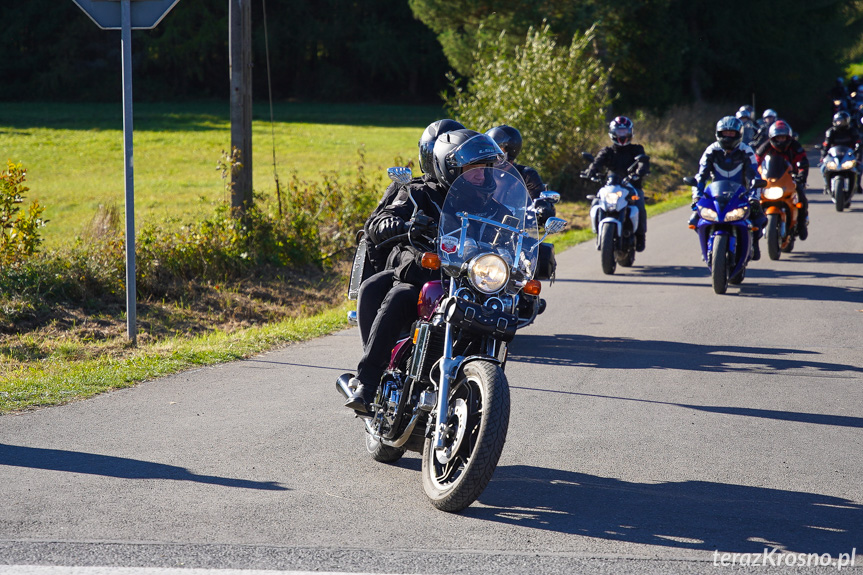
x,y
782,143
454,152
374,288
617,159
842,133
744,114
510,141
729,159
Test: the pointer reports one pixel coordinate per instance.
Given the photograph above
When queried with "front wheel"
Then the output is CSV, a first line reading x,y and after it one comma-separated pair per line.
x,y
719,267
454,477
773,239
838,193
606,246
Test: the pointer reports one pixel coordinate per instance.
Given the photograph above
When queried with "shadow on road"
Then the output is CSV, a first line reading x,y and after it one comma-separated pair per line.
x,y
574,350
800,417
687,514
120,467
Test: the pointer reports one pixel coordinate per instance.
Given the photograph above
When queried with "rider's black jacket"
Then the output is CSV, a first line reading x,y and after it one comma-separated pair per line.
x,y
840,137
532,180
404,258
618,159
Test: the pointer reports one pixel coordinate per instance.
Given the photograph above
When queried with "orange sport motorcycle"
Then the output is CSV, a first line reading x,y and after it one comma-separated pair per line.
x,y
780,203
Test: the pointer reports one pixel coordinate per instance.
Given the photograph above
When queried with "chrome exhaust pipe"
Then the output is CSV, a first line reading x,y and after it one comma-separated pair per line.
x,y
342,385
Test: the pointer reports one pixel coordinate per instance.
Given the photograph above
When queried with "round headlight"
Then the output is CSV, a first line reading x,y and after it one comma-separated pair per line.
x,y
774,193
489,273
708,214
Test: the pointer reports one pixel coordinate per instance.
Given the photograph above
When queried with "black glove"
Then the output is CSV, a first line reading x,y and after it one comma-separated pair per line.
x,y
544,210
423,225
388,228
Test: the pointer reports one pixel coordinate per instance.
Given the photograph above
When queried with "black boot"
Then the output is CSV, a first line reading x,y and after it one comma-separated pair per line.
x,y
639,242
693,219
803,228
756,249
361,399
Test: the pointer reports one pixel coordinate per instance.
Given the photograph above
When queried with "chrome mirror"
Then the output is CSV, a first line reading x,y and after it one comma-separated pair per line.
x,y
400,174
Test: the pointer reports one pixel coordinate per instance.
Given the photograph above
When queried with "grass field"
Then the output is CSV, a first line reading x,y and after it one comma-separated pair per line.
x,y
74,153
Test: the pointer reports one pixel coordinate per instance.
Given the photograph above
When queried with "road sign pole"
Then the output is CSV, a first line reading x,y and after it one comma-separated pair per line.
x,y
129,171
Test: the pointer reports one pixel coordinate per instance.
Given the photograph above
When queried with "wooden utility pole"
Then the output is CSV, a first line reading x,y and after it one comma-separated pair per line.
x,y
240,41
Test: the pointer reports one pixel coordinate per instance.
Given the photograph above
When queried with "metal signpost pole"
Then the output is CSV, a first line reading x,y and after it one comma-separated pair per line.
x,y
129,170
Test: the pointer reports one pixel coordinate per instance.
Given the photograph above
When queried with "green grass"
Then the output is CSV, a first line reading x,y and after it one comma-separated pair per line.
x,y
74,153
55,381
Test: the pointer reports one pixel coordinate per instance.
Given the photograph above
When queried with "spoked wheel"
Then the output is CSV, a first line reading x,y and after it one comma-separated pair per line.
x,y
719,267
382,453
773,240
455,476
607,249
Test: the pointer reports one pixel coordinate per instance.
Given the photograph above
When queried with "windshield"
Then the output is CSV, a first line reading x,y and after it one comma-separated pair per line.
x,y
486,211
773,167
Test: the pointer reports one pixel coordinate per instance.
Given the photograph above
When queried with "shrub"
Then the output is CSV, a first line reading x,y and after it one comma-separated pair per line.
x,y
554,95
19,232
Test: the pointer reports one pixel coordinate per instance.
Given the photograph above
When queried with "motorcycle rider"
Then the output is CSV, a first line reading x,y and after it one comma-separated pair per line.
x,y
744,114
510,141
454,152
617,159
374,288
767,118
842,133
782,143
728,158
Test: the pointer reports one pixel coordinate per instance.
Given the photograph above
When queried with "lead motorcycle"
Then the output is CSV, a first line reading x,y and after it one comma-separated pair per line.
x,y
445,393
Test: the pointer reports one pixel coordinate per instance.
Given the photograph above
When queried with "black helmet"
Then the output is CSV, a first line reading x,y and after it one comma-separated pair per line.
x,y
620,131
780,134
509,140
729,132
427,141
841,120
458,148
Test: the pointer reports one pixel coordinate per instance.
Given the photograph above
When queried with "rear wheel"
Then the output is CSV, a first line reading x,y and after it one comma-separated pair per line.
x,y
382,453
719,267
606,246
773,240
454,477
626,259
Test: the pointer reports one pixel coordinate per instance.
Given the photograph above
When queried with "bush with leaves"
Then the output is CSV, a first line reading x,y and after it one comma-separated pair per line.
x,y
555,95
19,232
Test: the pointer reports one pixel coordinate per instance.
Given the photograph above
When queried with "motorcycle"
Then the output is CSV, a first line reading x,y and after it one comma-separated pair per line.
x,y
724,230
444,392
841,172
614,217
780,203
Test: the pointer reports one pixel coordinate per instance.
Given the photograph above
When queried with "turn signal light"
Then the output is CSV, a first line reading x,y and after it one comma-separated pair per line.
x,y
691,226
416,335
431,261
754,228
799,205
533,287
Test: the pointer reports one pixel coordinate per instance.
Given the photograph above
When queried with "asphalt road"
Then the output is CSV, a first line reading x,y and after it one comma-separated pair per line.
x,y
655,427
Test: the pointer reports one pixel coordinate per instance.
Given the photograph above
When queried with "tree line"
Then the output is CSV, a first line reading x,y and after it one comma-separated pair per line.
x,y
659,52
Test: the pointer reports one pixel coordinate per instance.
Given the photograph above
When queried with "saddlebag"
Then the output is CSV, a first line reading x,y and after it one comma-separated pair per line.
x,y
546,264
480,320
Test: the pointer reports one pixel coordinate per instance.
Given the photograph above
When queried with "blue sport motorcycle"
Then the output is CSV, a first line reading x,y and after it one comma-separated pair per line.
x,y
725,230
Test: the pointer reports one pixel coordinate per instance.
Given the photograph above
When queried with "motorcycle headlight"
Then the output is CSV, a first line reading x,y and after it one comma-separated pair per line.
x,y
773,193
848,164
488,273
708,214
831,165
612,198
735,214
